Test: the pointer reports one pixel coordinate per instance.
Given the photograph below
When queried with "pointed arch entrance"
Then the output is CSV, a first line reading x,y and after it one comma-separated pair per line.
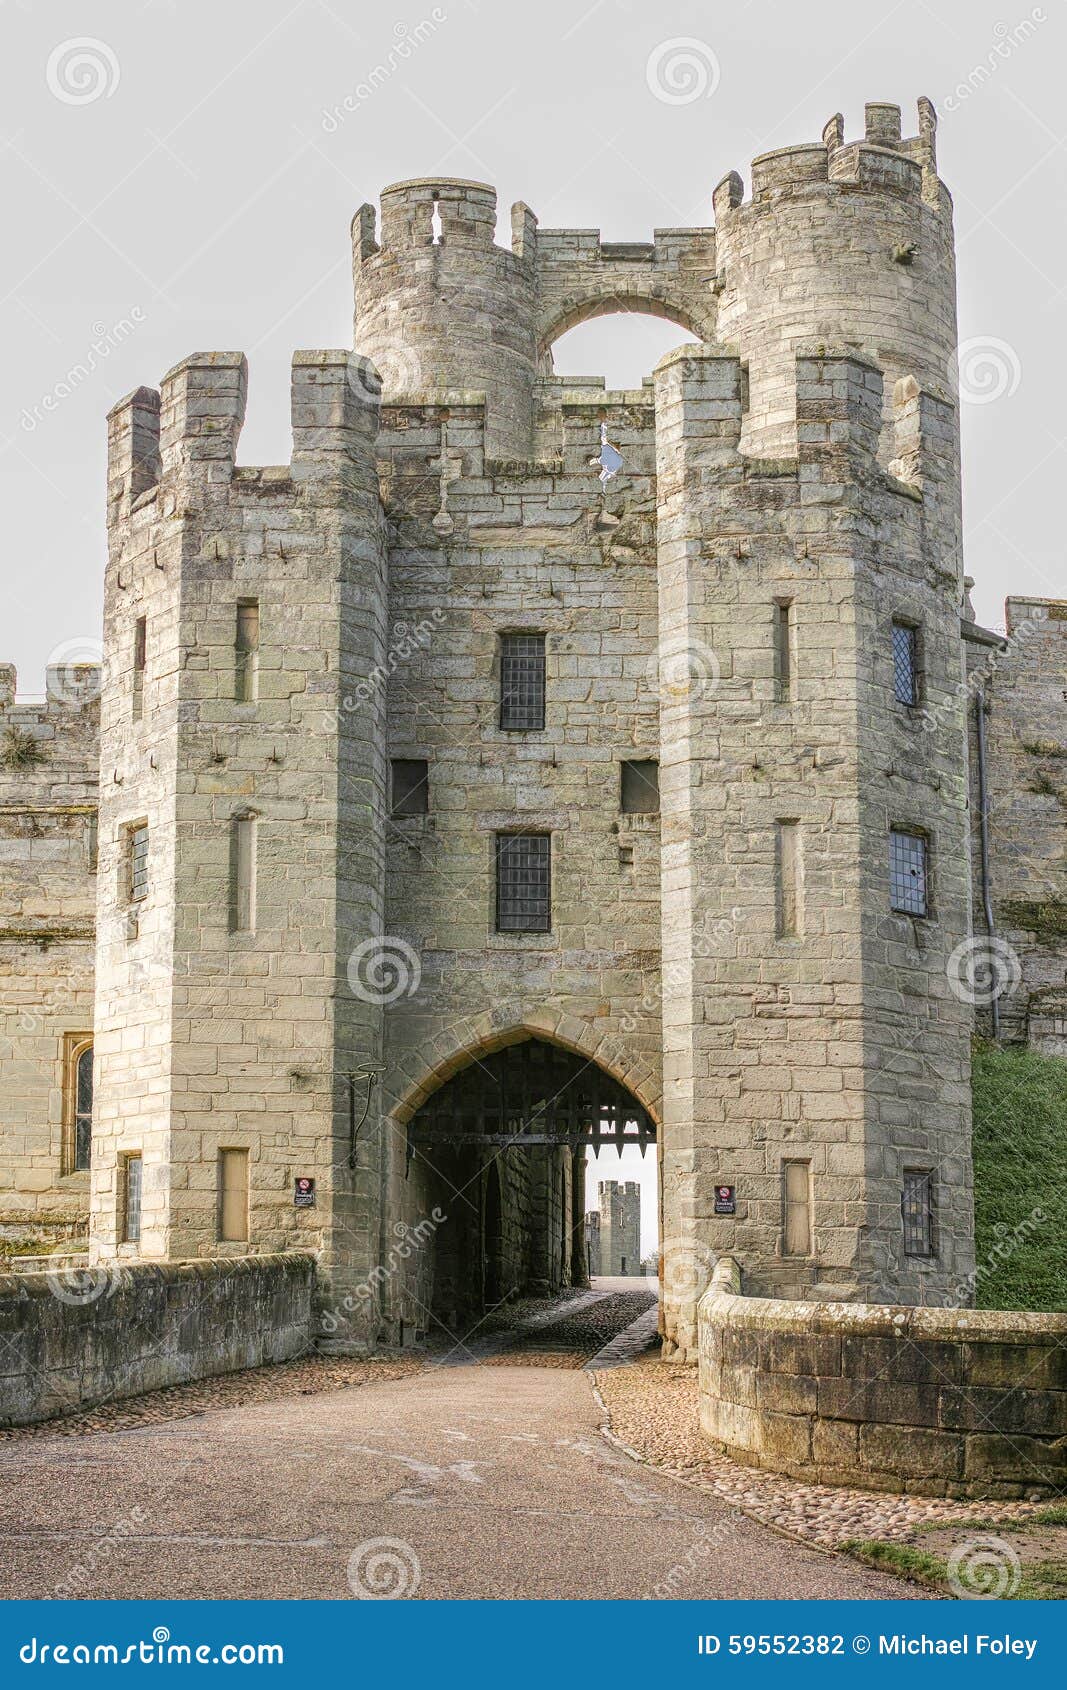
x,y
500,1148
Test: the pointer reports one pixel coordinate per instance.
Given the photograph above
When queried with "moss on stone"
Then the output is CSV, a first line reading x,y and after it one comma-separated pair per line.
x,y
1043,917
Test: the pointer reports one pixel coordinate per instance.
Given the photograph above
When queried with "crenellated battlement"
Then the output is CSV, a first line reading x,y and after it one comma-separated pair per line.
x,y
882,160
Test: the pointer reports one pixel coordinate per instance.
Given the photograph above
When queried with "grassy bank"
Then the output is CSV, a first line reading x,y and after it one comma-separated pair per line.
x,y
1020,1179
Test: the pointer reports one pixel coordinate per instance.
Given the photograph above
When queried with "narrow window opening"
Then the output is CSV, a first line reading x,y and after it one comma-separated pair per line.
x,y
243,874
409,786
796,1208
917,1212
522,682
233,1196
92,841
789,880
784,656
639,787
908,873
906,663
435,222
246,652
523,883
77,1103
140,650
131,1200
137,863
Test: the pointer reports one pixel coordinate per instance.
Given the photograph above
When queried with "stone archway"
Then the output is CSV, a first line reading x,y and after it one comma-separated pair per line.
x,y
571,313
510,1126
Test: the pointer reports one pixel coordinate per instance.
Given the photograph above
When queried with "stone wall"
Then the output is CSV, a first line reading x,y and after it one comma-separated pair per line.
x,y
48,798
1026,698
72,1338
939,1402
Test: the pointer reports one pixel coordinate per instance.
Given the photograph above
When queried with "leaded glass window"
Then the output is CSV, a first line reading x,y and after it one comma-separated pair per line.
x,y
905,663
907,873
523,883
522,682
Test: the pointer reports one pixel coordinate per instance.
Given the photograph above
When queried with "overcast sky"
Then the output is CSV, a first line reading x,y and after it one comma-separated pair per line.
x,y
183,182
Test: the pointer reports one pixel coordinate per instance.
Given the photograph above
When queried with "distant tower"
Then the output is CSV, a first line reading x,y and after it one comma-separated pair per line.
x,y
620,1226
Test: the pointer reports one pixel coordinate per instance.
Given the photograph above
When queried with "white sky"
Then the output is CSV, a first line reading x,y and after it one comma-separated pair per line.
x,y
204,202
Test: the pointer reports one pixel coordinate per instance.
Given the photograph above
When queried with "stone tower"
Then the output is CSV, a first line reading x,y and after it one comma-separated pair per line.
x,y
620,1226
725,959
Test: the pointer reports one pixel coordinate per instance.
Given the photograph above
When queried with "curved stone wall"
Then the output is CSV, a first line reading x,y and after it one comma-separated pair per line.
x,y
941,1402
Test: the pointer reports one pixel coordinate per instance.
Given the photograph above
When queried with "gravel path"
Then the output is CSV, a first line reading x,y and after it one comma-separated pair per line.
x,y
652,1410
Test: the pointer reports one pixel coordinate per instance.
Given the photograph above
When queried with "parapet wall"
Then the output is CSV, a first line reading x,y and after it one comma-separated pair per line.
x,y
938,1402
75,1337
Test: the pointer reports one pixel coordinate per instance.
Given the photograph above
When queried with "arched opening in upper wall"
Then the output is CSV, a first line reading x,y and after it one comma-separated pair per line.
x,y
621,340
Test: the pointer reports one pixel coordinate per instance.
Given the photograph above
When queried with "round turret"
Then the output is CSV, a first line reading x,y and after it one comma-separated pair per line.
x,y
440,307
847,244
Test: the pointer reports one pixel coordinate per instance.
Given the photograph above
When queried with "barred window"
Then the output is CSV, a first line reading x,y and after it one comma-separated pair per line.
x,y
523,883
639,787
522,682
409,794
906,663
917,1212
137,862
131,1200
907,873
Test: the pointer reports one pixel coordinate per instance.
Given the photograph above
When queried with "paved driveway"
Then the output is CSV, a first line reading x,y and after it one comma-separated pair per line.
x,y
488,1480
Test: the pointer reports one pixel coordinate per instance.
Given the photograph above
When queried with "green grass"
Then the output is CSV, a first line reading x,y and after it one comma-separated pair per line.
x,y
901,1558
1020,1179
1041,1581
